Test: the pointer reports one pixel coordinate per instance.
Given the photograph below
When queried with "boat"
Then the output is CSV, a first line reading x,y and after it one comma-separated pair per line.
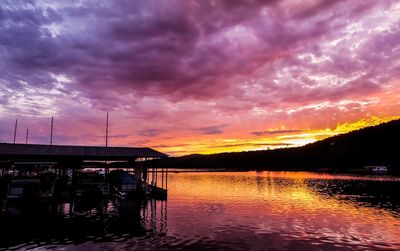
x,y
377,169
23,190
125,184
32,188
91,184
157,192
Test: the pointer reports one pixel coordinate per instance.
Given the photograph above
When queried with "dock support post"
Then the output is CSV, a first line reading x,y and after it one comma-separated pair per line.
x,y
152,176
156,175
162,177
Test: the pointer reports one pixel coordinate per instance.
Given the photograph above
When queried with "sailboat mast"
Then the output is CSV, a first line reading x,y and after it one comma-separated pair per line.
x,y
107,130
15,130
51,131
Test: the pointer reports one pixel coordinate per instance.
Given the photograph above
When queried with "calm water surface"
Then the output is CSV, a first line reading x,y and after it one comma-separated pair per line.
x,y
224,211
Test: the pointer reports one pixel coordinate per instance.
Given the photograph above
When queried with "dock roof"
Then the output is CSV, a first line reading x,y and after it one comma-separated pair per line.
x,y
79,152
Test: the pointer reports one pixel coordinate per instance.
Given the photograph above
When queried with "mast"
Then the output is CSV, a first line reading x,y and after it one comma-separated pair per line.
x,y
15,130
107,130
51,131
27,134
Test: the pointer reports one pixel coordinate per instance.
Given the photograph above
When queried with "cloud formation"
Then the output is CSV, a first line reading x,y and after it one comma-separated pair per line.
x,y
211,129
274,132
180,70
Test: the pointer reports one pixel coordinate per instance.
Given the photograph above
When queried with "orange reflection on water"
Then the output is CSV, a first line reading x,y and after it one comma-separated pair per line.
x,y
295,204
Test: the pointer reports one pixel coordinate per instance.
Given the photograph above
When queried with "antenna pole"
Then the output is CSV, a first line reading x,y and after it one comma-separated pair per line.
x,y
51,131
15,130
107,130
27,134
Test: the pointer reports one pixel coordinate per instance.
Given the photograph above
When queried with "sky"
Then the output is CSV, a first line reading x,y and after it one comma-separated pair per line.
x,y
199,76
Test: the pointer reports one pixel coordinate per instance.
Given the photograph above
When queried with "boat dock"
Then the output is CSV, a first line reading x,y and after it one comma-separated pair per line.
x,y
76,170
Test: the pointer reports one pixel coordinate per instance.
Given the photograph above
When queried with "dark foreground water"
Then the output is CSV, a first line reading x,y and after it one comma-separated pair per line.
x,y
224,211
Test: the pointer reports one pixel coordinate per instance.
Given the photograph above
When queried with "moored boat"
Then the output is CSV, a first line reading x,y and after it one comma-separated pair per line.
x,y
377,169
125,184
25,189
91,184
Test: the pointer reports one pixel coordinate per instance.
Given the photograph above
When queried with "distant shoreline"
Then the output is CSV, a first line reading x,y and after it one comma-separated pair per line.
x,y
327,171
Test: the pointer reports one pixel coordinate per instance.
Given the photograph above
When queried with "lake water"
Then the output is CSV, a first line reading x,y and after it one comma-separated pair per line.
x,y
225,211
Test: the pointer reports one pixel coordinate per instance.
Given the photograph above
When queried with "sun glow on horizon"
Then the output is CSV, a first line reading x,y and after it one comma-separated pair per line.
x,y
289,139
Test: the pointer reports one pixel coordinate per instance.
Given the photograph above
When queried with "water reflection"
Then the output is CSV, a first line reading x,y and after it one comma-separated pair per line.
x,y
224,211
286,210
371,193
71,224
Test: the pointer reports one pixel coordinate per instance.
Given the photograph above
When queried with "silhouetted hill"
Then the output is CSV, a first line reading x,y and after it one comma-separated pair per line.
x,y
376,145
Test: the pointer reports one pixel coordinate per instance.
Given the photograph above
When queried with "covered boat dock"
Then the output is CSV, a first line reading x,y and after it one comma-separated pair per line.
x,y
64,158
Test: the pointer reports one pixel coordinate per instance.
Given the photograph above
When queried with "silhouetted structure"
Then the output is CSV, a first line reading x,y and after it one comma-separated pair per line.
x,y
73,158
61,152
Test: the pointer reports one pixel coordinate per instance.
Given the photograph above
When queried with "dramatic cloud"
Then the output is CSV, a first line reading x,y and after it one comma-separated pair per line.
x,y
150,132
211,129
274,132
189,71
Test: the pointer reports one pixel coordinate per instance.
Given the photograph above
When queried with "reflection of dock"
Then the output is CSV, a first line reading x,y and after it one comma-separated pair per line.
x,y
155,216
68,164
83,221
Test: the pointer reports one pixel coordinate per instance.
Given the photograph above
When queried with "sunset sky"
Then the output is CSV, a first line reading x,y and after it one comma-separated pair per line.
x,y
197,76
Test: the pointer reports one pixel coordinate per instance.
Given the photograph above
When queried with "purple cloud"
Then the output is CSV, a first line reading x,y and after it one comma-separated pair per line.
x,y
150,132
211,129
